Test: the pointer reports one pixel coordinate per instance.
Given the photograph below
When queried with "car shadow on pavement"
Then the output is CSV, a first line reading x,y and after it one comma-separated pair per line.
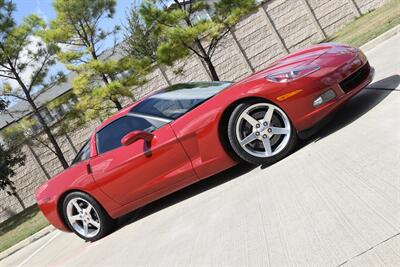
x,y
359,105
351,111
186,193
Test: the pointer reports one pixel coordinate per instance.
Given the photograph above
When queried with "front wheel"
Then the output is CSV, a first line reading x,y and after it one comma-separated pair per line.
x,y
261,133
85,217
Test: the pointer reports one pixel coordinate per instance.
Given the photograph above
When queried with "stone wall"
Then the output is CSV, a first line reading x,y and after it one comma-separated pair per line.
x,y
274,29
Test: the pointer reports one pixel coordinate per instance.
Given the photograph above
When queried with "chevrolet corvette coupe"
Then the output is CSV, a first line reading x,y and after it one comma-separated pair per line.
x,y
188,132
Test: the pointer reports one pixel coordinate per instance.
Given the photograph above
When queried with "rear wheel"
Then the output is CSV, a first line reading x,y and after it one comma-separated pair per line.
x,y
261,133
85,217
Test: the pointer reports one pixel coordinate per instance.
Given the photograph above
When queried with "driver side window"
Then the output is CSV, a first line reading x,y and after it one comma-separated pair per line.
x,y
109,137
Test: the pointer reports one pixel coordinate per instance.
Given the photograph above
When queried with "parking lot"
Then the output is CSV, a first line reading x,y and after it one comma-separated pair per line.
x,y
335,201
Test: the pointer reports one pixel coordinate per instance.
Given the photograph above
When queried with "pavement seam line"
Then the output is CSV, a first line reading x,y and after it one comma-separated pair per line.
x,y
384,89
369,249
39,249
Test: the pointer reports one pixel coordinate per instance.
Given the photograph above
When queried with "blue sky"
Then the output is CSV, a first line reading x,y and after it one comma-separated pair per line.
x,y
44,9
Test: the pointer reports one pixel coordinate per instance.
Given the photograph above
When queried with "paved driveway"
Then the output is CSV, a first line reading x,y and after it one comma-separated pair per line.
x,y
336,201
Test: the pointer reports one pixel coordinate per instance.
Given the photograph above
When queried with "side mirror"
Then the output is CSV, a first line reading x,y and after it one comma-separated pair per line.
x,y
136,135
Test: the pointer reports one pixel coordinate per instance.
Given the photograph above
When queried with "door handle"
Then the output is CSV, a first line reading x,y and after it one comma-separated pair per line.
x,y
89,169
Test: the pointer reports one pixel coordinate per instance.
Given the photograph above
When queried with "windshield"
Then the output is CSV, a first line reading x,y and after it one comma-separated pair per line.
x,y
176,100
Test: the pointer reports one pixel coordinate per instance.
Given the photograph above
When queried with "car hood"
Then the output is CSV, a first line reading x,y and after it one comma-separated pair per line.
x,y
301,57
296,59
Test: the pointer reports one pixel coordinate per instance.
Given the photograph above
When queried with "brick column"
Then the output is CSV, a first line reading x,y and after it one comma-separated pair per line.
x,y
161,68
241,50
71,144
38,162
314,19
355,8
275,32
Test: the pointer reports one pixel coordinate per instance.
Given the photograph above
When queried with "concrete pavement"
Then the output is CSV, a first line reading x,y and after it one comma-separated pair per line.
x,y
336,201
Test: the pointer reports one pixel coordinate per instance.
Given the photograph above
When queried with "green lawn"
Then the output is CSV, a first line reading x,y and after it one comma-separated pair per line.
x,y
369,26
21,226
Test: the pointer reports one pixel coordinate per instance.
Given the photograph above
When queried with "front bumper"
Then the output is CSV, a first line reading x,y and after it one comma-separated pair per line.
x,y
337,73
321,112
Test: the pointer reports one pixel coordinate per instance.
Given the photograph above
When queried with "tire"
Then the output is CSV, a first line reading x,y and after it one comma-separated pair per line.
x,y
261,133
79,210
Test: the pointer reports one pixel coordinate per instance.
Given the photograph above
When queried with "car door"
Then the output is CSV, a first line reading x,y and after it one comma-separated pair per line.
x,y
128,173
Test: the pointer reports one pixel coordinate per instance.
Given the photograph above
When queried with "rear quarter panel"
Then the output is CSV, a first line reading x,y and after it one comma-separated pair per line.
x,y
75,178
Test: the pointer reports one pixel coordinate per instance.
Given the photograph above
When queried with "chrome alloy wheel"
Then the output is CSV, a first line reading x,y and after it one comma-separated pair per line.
x,y
263,130
83,217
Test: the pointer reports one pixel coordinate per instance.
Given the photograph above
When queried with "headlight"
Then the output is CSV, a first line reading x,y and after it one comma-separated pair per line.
x,y
291,74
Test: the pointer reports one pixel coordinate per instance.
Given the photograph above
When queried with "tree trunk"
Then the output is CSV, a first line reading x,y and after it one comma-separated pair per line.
x,y
42,122
52,139
20,201
211,68
206,58
116,102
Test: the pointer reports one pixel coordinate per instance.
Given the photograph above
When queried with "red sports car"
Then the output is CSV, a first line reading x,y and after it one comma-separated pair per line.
x,y
188,132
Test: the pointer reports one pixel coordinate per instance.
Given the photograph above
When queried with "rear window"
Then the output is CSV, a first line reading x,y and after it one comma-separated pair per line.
x,y
176,100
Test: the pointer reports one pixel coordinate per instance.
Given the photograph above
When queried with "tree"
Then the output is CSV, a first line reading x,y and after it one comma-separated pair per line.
x,y
3,105
103,75
24,66
9,159
193,27
141,39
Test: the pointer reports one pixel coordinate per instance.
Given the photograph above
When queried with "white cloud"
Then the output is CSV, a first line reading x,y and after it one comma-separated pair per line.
x,y
32,65
26,58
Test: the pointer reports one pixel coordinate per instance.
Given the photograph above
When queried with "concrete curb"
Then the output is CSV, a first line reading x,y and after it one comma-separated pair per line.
x,y
383,37
33,238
